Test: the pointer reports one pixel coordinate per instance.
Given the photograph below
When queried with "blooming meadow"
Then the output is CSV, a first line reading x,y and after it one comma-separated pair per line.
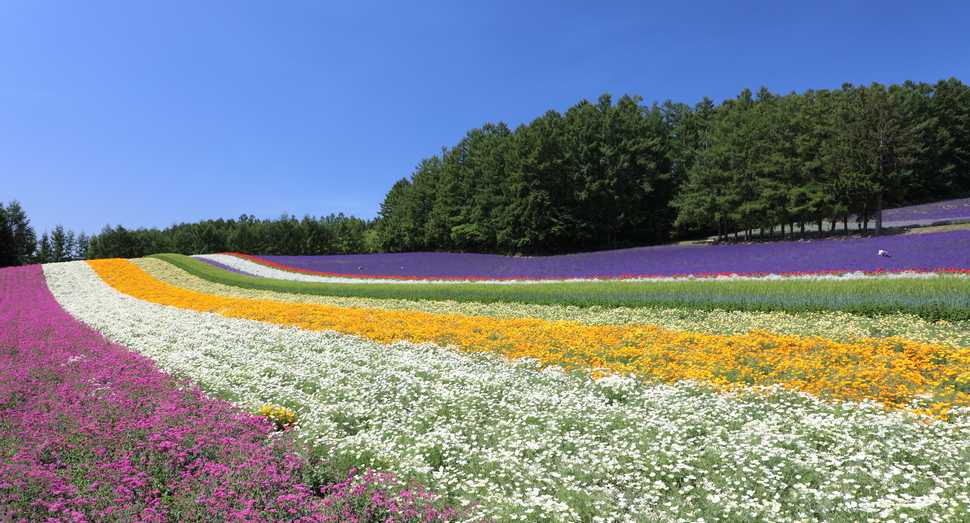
x,y
892,371
550,444
838,326
253,266
950,249
91,431
929,213
390,406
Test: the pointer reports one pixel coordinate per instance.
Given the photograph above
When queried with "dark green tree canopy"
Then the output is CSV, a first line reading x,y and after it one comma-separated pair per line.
x,y
609,175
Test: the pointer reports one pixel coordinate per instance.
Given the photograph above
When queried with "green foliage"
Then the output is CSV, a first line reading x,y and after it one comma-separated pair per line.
x,y
607,175
8,252
333,234
597,177
18,242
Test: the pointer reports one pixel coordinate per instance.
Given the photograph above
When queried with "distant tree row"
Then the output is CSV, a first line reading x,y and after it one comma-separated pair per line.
x,y
287,235
19,244
609,176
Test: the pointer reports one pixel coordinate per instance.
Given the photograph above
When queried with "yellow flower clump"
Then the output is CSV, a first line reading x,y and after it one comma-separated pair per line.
x,y
281,417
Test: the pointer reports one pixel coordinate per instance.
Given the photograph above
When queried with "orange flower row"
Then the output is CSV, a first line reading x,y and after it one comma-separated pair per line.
x,y
892,371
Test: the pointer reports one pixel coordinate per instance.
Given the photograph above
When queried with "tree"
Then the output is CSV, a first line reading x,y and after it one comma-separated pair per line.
x,y
45,249
401,219
24,237
484,176
951,109
82,243
694,166
243,237
537,217
719,181
939,119
60,248
111,243
8,250
871,147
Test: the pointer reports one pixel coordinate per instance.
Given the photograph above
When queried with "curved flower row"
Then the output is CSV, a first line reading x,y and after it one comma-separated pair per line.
x,y
549,445
893,371
89,429
839,326
254,266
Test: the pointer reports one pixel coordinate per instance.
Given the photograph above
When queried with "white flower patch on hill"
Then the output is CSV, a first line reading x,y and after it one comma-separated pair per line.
x,y
547,445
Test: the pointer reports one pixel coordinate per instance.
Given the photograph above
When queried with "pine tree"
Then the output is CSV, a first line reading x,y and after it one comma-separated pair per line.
x,y
8,249
24,238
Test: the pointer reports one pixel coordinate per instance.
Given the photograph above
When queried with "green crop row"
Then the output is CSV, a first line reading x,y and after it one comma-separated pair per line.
x,y
943,297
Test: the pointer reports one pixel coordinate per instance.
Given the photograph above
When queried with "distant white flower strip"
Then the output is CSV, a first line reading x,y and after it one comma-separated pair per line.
x,y
548,445
263,271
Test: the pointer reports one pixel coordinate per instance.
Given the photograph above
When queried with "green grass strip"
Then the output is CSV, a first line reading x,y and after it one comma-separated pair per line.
x,y
944,297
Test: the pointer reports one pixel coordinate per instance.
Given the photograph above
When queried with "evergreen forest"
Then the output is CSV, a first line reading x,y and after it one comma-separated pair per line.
x,y
610,175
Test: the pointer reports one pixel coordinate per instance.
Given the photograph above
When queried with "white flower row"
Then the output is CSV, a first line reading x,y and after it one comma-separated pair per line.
x,y
257,269
549,445
264,271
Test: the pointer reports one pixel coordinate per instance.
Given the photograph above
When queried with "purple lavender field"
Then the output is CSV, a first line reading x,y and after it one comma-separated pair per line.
x,y
928,214
939,250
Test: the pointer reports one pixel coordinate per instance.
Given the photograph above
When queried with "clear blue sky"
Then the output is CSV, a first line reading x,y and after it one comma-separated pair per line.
x,y
150,113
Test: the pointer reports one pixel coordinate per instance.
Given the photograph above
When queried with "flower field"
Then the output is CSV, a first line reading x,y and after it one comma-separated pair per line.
x,y
939,250
930,213
513,409
91,431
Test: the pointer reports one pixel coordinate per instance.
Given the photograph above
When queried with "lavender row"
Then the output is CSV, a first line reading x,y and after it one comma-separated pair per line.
x,y
941,250
951,210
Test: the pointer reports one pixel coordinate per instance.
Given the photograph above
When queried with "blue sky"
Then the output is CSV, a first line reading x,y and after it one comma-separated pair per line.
x,y
151,113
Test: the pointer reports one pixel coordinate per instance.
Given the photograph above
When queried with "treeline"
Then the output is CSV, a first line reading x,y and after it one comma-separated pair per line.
x,y
610,175
287,235
19,244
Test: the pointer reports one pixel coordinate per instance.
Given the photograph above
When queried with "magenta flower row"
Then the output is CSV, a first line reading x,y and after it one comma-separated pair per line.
x,y
90,431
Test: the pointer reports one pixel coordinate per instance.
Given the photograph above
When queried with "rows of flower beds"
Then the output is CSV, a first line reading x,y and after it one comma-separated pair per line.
x,y
557,445
88,427
893,371
253,266
91,431
839,326
931,295
539,411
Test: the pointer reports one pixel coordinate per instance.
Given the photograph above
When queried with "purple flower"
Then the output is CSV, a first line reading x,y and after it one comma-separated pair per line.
x,y
928,214
940,250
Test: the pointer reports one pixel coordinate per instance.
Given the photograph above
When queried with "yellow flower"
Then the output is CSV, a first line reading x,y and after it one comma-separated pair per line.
x,y
281,417
890,370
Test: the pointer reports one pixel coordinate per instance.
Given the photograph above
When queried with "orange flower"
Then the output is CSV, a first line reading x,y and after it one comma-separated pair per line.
x,y
892,370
